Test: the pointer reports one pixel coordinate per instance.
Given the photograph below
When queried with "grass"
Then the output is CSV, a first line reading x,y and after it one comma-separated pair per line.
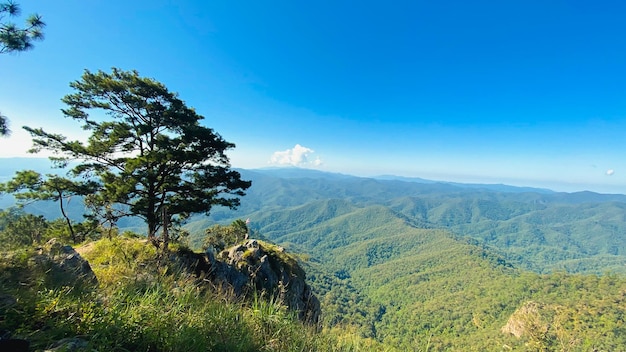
x,y
142,304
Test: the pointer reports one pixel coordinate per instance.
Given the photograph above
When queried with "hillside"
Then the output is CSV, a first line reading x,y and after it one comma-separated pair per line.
x,y
410,287
119,295
421,266
533,229
438,266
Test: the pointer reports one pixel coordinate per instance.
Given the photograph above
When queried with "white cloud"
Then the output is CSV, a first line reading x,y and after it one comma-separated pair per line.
x,y
297,156
610,172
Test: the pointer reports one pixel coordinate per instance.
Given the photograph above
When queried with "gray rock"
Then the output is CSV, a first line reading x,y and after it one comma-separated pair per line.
x,y
252,243
63,265
255,267
266,269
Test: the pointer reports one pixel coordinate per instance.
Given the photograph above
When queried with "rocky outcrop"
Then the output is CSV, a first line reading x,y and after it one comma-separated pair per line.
x,y
55,265
531,319
257,266
63,265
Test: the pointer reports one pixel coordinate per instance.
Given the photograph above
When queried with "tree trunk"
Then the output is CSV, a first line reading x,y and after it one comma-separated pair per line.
x,y
151,216
67,219
165,220
152,224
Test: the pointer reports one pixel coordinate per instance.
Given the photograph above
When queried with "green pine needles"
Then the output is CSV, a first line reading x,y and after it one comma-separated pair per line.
x,y
150,155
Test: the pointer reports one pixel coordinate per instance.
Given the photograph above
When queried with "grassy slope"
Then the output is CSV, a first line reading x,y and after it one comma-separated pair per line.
x,y
141,306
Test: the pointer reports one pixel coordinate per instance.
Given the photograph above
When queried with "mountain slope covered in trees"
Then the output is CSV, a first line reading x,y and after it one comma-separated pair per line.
x,y
430,265
536,230
438,266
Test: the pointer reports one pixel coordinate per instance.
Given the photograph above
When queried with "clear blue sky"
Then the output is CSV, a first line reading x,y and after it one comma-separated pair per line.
x,y
517,92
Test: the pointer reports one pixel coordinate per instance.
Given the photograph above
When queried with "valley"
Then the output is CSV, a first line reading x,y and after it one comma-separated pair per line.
x,y
437,266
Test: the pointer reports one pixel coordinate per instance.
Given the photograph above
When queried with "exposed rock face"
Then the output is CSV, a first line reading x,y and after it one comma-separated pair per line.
x,y
526,320
63,265
59,266
263,267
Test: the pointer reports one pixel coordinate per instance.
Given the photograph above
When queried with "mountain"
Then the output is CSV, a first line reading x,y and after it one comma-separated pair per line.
x,y
536,230
417,288
532,228
9,166
296,172
441,266
491,187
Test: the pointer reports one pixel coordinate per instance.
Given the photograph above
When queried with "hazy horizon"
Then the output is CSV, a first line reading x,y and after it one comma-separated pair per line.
x,y
519,93
556,187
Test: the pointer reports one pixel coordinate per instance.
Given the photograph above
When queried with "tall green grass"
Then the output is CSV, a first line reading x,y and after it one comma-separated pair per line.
x,y
145,304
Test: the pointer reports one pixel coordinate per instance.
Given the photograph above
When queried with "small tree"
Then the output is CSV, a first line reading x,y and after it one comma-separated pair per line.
x,y
151,155
29,186
103,212
19,229
220,237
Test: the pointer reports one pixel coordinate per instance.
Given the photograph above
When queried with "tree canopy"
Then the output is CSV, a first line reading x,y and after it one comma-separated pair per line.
x,y
220,237
14,38
28,186
148,150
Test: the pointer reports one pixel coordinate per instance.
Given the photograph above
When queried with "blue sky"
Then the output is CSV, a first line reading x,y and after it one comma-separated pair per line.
x,y
519,92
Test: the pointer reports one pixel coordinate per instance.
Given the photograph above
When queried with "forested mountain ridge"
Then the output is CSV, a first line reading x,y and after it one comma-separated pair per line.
x,y
438,266
534,229
379,273
540,230
435,266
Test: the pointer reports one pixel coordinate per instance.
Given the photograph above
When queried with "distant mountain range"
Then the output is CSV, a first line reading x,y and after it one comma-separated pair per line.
x,y
415,263
485,186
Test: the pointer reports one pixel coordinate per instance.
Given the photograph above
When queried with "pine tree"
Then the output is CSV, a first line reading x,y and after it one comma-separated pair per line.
x,y
151,155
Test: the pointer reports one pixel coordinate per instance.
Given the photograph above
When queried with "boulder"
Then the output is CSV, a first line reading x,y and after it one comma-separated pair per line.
x,y
269,269
525,320
63,265
256,266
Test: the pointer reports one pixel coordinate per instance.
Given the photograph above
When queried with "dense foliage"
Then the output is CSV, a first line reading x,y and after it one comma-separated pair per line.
x,y
383,271
14,38
534,229
151,156
391,276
